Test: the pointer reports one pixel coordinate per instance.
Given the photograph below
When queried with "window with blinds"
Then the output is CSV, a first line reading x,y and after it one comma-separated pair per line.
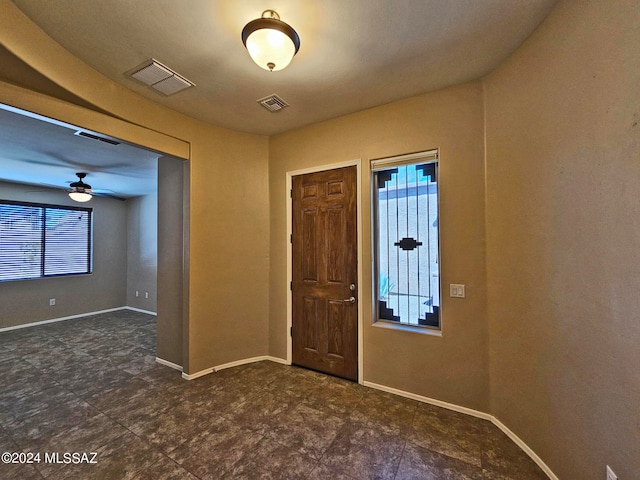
x,y
407,269
43,240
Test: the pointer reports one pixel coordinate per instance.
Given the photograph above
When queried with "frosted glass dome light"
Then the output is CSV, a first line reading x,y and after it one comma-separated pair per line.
x,y
271,43
80,196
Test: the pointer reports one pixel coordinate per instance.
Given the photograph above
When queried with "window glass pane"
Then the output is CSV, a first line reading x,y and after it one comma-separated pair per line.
x,y
406,221
42,240
66,241
20,242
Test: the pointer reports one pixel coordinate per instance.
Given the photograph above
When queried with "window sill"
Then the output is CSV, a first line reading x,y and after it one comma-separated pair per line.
x,y
408,328
62,275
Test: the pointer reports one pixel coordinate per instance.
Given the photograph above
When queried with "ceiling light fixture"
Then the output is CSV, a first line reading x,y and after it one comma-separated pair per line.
x,y
80,196
270,42
80,191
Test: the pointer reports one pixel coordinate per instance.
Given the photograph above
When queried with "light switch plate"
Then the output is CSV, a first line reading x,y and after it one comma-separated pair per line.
x,y
456,290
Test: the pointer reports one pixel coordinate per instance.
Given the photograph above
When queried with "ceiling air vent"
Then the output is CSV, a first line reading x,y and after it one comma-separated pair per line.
x,y
93,136
273,103
160,77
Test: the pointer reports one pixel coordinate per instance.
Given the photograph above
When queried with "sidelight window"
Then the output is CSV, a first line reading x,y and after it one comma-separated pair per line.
x,y
407,266
43,240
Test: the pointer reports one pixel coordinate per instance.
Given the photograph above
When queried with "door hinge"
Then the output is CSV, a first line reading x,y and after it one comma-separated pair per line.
x,y
291,238
290,285
291,193
291,331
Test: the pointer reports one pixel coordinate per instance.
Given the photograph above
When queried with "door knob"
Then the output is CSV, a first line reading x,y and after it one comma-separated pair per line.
x,y
349,300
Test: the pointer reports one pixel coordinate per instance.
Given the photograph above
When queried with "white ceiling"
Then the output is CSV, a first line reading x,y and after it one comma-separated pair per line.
x,y
354,54
48,155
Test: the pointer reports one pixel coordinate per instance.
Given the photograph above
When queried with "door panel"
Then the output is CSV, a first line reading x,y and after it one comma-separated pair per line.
x,y
310,322
335,324
325,322
309,247
336,237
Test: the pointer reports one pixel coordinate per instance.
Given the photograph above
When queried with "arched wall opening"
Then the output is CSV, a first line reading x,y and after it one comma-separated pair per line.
x,y
172,205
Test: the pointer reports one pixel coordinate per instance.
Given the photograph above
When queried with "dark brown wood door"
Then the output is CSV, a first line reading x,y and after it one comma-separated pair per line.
x,y
325,255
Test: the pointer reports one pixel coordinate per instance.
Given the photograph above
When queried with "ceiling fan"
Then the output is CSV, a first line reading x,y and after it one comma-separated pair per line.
x,y
82,192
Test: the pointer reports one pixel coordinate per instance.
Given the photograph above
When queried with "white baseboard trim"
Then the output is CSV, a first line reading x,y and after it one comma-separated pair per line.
x,y
518,441
474,413
277,360
432,401
201,373
71,317
60,319
237,363
167,363
148,312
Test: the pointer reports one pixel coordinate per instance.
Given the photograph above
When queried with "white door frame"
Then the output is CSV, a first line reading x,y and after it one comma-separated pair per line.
x,y
358,164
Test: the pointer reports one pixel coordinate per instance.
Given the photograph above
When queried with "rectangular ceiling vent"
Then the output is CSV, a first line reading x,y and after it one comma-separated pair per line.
x,y
273,103
93,136
160,77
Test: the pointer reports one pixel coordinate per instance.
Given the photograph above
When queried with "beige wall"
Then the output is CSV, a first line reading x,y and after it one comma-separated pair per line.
x,y
229,250
547,338
454,367
171,273
563,229
142,251
27,301
229,223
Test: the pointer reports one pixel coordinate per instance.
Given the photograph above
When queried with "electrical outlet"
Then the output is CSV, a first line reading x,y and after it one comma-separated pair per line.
x,y
52,302
610,474
456,290
137,293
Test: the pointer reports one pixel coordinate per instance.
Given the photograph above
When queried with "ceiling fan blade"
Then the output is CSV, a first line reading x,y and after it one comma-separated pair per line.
x,y
40,162
41,190
48,185
107,195
57,162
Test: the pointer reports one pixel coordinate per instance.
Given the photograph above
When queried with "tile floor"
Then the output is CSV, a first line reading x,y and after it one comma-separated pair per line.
x,y
92,385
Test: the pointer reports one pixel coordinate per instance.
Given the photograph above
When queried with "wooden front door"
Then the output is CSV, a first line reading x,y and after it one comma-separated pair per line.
x,y
325,255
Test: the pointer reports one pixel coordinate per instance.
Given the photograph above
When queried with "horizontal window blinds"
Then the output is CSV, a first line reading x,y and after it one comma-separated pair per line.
x,y
43,240
20,242
66,239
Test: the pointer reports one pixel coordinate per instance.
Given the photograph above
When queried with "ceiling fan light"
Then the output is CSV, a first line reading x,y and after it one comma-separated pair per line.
x,y
80,196
271,43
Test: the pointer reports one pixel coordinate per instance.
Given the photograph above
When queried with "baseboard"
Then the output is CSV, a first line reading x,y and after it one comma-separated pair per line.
x,y
237,363
201,373
277,360
167,363
60,319
432,401
525,448
148,312
474,413
71,317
